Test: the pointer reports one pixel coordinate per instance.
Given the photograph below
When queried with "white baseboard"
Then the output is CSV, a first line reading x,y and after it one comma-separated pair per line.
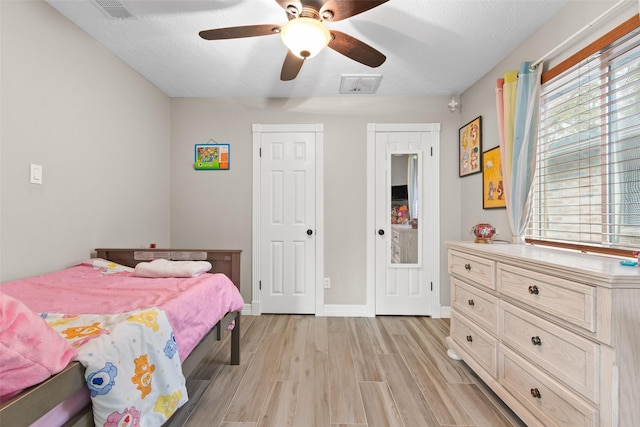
x,y
337,310
346,310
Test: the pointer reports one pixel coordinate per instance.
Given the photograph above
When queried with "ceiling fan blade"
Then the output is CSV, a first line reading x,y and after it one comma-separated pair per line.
x,y
343,9
355,49
291,66
240,32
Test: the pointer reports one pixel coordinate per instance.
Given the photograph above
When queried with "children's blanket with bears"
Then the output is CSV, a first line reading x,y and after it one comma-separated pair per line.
x,y
132,365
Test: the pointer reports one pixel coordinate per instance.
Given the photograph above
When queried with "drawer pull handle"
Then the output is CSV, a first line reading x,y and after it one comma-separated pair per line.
x,y
471,303
469,338
535,393
536,340
533,290
467,267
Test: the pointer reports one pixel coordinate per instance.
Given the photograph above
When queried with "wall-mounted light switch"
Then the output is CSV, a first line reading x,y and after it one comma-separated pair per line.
x,y
35,174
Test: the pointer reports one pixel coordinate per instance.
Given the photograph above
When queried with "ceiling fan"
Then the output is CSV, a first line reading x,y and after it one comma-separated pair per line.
x,y
306,34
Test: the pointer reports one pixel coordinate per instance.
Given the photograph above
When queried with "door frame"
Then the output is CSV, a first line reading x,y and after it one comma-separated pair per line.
x,y
258,130
372,128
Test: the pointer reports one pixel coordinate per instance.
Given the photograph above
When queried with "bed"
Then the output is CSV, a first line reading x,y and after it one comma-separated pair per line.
x,y
55,392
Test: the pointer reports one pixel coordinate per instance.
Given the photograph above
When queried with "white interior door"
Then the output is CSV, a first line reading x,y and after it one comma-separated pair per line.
x,y
287,224
406,182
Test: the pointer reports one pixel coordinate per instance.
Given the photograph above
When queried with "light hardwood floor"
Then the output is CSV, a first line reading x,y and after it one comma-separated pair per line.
x,y
306,371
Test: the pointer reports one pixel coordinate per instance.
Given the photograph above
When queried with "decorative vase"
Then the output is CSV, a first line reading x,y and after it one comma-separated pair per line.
x,y
483,232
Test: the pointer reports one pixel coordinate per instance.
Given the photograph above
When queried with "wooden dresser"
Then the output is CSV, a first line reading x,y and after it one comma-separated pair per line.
x,y
404,244
555,334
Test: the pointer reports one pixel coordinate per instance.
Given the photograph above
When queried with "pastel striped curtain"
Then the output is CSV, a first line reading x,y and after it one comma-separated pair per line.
x,y
517,102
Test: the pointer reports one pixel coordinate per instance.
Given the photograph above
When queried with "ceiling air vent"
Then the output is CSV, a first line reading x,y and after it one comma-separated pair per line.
x,y
360,83
115,9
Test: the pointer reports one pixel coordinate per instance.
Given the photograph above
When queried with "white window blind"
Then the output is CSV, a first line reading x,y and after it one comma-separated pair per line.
x,y
587,184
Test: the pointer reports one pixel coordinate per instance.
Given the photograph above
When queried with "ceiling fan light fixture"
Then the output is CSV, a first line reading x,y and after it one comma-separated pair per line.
x,y
305,37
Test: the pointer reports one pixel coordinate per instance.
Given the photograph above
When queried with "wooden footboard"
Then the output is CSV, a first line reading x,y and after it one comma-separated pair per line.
x,y
36,401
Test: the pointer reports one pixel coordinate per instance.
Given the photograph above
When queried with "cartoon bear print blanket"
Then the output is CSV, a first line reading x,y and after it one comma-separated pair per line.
x,y
132,365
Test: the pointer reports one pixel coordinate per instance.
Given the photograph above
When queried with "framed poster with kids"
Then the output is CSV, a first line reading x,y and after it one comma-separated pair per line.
x,y
492,182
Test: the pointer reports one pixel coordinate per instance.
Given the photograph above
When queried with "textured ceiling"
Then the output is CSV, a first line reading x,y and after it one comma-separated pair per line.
x,y
433,47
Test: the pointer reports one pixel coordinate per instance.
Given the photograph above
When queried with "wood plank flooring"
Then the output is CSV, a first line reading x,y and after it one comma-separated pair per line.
x,y
306,371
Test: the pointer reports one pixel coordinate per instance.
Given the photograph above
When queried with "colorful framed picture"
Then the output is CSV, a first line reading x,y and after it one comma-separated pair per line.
x,y
211,157
470,140
492,183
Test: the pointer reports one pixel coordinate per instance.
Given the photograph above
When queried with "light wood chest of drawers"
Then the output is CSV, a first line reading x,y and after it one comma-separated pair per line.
x,y
404,244
555,334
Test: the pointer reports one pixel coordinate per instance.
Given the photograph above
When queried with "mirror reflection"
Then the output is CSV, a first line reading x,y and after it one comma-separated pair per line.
x,y
405,208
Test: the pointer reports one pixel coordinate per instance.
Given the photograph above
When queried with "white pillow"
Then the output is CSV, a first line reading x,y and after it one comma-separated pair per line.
x,y
167,268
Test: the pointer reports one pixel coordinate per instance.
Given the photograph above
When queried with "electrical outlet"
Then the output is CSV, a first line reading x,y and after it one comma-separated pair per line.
x,y
327,283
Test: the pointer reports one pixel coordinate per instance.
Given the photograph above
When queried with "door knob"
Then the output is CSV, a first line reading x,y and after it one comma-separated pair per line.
x,y
381,232
309,232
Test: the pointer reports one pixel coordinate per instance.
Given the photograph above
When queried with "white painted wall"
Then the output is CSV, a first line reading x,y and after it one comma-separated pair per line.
x,y
101,132
213,208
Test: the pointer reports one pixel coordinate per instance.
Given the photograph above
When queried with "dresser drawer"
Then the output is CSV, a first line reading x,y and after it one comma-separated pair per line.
x,y
475,304
395,252
569,301
479,344
549,401
572,359
472,268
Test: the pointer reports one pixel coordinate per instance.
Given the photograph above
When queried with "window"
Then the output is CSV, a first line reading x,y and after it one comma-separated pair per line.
x,y
587,183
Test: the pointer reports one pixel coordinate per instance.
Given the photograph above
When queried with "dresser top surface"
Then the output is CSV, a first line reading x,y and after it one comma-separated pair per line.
x,y
602,270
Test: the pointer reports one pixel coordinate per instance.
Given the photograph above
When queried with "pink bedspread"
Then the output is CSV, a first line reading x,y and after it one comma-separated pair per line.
x,y
193,305
30,350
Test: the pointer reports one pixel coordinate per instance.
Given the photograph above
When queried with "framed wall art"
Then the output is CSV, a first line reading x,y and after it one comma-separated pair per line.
x,y
492,182
211,157
470,147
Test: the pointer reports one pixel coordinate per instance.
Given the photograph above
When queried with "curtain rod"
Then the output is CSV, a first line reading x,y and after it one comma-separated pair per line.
x,y
579,32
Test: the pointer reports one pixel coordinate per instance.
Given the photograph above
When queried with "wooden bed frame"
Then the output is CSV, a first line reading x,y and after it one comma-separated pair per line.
x,y
36,401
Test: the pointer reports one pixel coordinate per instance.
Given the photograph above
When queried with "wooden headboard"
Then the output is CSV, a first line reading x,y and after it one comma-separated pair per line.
x,y
223,261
